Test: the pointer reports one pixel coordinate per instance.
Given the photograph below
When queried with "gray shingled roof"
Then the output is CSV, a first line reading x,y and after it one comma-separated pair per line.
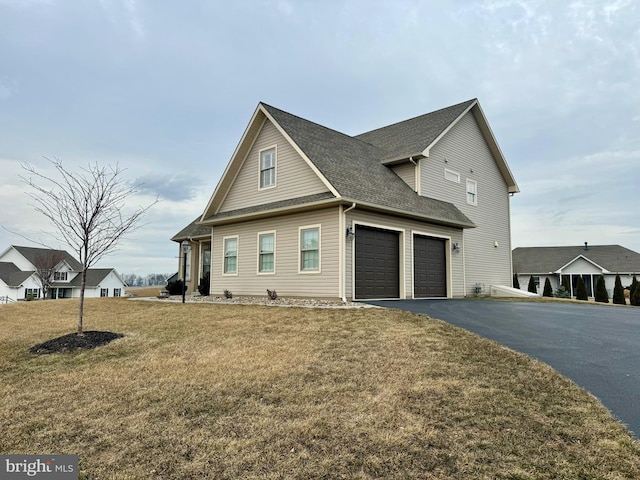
x,y
613,258
291,202
12,275
94,277
411,137
192,230
32,254
354,168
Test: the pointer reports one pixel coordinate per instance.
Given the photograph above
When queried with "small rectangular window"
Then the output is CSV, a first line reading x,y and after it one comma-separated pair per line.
x,y
230,255
268,168
451,175
104,292
116,292
472,192
310,249
266,253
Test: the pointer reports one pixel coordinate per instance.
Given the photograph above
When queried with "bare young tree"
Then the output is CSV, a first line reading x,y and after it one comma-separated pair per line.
x,y
87,210
46,264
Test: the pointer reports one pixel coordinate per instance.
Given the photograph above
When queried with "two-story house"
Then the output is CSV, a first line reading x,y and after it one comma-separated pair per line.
x,y
19,278
416,209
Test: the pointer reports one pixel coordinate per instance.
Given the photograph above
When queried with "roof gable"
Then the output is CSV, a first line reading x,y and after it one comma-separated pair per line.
x,y
416,136
611,258
240,154
32,255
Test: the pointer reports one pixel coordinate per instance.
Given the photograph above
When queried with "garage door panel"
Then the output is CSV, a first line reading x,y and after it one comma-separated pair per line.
x,y
429,267
377,263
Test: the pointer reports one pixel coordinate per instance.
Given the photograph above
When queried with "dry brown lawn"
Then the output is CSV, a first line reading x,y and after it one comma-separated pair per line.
x,y
231,391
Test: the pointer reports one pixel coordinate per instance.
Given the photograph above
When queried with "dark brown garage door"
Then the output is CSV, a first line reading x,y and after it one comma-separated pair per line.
x,y
377,266
429,267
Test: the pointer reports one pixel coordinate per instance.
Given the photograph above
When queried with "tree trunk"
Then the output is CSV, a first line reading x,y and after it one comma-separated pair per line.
x,y
81,306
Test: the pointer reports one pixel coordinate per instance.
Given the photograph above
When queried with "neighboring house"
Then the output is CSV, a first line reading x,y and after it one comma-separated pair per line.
x,y
413,210
588,261
18,278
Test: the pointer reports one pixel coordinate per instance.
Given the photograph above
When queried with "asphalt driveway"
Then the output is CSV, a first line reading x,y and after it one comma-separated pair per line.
x,y
597,347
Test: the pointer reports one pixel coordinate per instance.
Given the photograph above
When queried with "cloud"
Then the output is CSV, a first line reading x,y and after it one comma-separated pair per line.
x,y
171,187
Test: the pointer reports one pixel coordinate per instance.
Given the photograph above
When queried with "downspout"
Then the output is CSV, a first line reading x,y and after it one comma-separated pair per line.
x,y
342,259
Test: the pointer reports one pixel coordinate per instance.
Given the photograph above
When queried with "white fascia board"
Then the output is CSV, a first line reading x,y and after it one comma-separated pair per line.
x,y
604,270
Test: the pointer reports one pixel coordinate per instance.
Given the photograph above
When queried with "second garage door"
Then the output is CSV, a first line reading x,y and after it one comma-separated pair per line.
x,y
377,263
429,267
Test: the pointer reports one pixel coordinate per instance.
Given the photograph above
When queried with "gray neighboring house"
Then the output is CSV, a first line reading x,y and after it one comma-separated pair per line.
x,y
18,279
588,261
416,209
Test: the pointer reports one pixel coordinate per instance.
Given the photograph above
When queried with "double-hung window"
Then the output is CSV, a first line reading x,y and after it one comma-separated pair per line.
x,y
59,276
230,256
268,168
310,249
266,252
472,192
104,292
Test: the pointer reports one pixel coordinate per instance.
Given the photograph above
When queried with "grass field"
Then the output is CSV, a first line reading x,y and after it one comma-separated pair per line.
x,y
232,391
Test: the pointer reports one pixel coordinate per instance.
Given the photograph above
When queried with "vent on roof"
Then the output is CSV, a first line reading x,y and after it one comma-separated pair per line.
x,y
586,246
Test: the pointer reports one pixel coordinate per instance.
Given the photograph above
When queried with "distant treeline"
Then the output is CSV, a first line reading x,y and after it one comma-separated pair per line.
x,y
133,280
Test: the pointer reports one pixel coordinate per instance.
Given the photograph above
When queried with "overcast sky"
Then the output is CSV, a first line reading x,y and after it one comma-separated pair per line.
x,y
166,89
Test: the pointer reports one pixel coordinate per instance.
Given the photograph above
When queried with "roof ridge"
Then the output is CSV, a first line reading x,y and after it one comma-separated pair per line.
x,y
417,116
333,130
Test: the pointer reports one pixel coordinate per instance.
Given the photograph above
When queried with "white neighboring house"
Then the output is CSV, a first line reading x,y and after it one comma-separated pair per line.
x,y
18,279
588,262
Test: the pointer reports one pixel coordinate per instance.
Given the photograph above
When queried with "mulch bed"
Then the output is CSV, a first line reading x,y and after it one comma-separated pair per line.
x,y
73,341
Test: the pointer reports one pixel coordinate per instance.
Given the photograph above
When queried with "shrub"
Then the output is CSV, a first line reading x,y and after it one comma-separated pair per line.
x,y
581,290
618,292
272,294
29,298
227,294
548,291
176,287
532,285
562,292
204,285
601,294
635,298
516,283
566,283
632,291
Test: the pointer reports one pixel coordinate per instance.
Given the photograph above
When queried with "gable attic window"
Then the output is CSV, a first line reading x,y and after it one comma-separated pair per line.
x,y
472,192
60,276
451,175
268,167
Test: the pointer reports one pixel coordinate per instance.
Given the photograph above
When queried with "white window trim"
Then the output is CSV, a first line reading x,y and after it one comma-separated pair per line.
x,y
272,272
106,290
275,167
475,184
310,227
451,172
224,248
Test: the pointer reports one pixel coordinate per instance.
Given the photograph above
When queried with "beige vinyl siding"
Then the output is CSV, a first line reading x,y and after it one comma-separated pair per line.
x,y
294,178
286,280
464,150
407,172
408,228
